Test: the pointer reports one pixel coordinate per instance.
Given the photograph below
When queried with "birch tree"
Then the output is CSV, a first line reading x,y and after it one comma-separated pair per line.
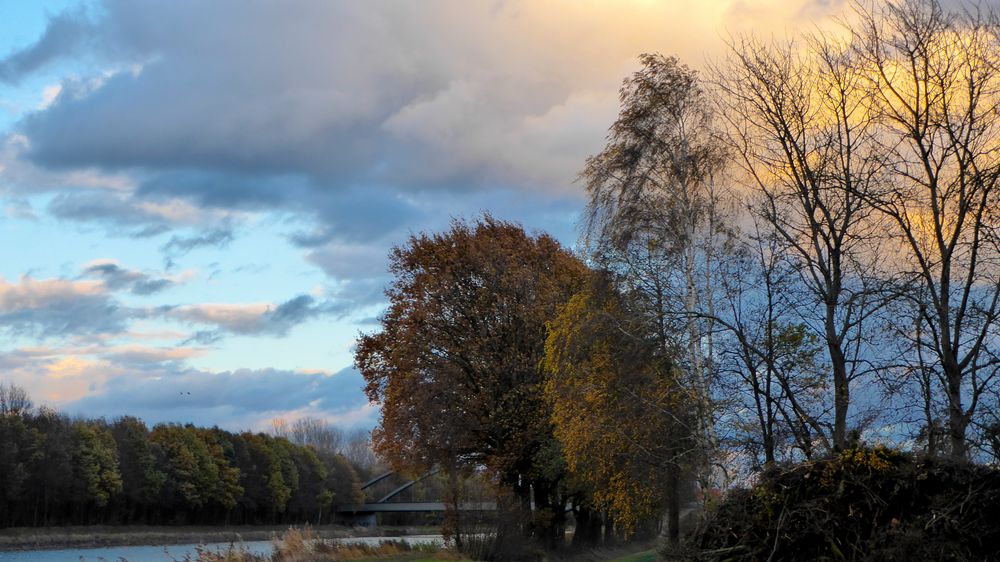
x,y
655,216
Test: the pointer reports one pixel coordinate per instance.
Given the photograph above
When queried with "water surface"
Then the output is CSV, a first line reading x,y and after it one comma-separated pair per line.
x,y
176,552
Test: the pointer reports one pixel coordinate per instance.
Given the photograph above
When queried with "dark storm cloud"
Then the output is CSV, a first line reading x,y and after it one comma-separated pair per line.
x,y
373,93
226,191
118,278
355,215
376,119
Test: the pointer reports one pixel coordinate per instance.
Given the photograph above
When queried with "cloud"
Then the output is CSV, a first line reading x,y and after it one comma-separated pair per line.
x,y
156,385
118,278
22,177
55,308
454,94
216,237
241,399
132,355
86,308
349,124
64,34
255,319
136,217
17,208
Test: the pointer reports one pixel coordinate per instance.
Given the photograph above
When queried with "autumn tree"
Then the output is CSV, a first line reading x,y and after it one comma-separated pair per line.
x,y
55,470
52,462
201,480
621,407
455,366
21,444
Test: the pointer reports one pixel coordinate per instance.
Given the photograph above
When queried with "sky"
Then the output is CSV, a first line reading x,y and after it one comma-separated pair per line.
x,y
197,198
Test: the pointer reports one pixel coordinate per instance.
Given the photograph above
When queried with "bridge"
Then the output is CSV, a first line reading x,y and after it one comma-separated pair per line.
x,y
364,513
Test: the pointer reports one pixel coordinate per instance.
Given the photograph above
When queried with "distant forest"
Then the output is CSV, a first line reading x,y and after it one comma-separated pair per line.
x,y
56,470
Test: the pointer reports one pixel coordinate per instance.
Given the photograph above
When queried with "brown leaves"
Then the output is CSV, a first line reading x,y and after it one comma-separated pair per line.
x,y
455,366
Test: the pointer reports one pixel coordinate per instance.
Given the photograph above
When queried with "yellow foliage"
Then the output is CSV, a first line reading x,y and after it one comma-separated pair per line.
x,y
615,405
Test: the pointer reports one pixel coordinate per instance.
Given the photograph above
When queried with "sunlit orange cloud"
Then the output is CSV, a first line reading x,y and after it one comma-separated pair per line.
x,y
68,367
314,372
599,30
534,84
64,379
59,375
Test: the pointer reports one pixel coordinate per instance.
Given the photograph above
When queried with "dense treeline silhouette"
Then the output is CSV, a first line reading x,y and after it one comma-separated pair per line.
x,y
59,471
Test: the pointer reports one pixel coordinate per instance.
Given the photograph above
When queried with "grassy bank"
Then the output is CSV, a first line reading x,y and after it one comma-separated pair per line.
x,y
97,536
397,552
305,546
292,545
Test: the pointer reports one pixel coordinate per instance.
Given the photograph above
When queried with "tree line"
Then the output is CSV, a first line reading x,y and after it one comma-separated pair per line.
x,y
795,252
55,470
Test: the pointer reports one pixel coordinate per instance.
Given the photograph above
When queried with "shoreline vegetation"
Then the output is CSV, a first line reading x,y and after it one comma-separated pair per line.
x,y
53,538
292,544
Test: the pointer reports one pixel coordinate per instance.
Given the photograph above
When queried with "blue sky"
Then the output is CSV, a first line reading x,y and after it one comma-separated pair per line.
x,y
198,197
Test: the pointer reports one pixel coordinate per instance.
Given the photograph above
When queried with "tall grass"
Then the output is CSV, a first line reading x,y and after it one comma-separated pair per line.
x,y
304,545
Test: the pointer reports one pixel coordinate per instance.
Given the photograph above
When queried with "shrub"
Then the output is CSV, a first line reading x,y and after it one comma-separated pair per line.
x,y
863,504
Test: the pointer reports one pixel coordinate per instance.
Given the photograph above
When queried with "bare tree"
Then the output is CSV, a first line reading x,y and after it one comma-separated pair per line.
x,y
797,122
935,91
14,400
318,433
358,450
772,356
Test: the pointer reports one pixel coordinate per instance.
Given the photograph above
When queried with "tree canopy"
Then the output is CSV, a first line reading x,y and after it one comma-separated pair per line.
x,y
455,366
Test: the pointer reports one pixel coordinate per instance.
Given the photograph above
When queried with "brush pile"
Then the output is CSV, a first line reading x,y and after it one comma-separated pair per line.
x,y
864,504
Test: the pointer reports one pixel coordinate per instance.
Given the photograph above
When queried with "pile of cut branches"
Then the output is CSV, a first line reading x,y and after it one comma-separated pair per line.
x,y
863,504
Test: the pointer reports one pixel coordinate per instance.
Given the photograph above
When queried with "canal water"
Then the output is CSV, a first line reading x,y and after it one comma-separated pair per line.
x,y
174,553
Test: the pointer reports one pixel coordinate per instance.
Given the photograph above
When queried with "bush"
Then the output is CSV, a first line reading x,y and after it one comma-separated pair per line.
x,y
864,504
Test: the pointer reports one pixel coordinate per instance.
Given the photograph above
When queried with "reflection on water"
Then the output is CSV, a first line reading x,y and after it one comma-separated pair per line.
x,y
173,552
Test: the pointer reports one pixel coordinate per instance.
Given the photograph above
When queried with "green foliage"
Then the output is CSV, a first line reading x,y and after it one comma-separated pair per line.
x,y
95,465
870,504
21,445
57,471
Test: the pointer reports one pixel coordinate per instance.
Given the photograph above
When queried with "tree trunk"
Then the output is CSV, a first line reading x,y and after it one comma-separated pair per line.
x,y
956,411
841,385
674,508
453,522
588,527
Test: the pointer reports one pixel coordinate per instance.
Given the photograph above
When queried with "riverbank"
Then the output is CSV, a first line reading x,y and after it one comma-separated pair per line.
x,y
29,538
